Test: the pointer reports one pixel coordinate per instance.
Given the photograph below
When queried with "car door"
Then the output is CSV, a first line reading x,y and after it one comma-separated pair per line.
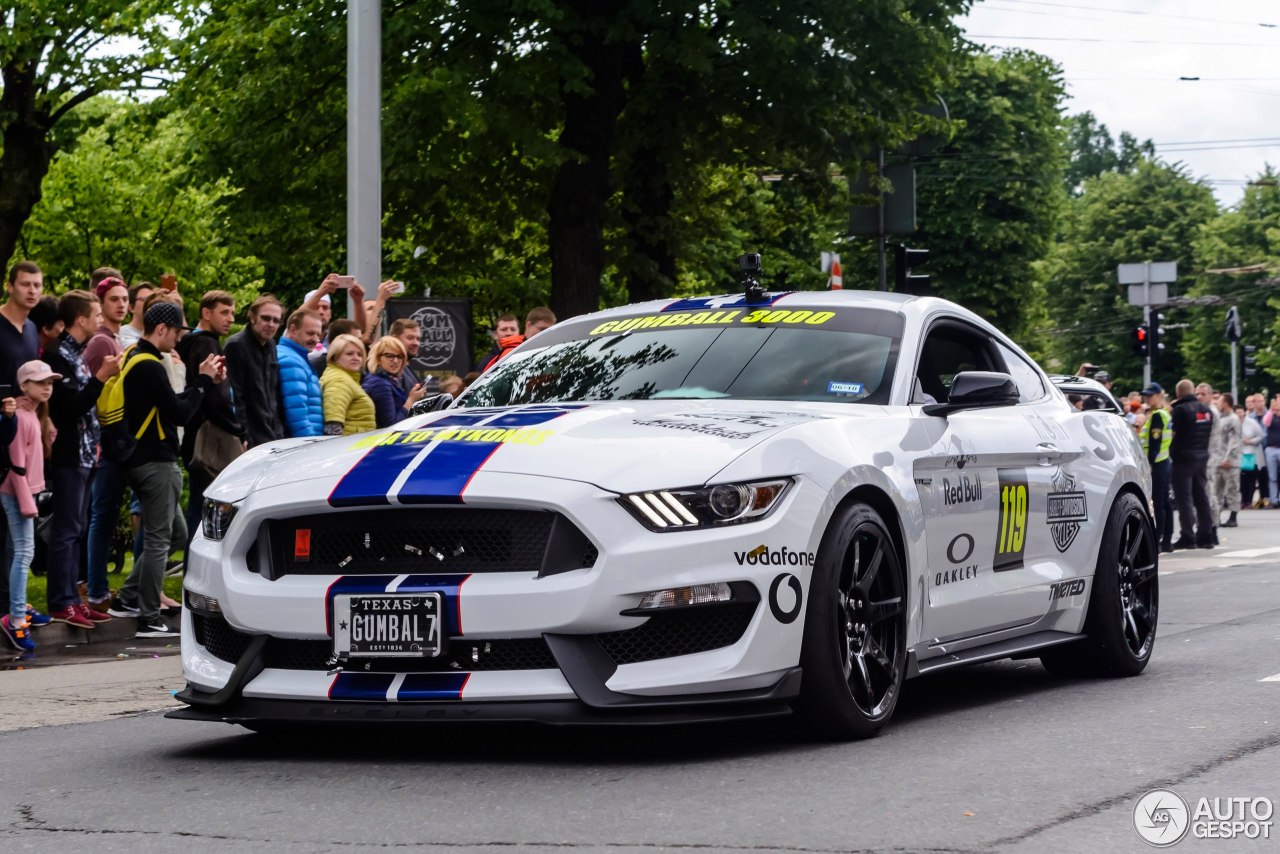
x,y
984,484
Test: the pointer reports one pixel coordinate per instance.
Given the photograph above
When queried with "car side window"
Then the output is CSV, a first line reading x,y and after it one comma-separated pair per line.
x,y
1030,386
950,348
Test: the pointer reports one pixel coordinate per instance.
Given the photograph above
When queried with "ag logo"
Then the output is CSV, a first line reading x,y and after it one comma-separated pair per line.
x,y
1161,818
439,338
795,598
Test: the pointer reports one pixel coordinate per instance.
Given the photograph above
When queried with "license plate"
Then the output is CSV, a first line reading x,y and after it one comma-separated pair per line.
x,y
401,625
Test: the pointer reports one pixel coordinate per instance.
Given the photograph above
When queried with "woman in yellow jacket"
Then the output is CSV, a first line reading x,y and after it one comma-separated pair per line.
x,y
347,408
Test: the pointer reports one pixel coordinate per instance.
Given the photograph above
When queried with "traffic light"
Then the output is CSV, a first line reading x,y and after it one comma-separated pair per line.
x,y
1141,342
905,260
1234,332
1250,363
1154,332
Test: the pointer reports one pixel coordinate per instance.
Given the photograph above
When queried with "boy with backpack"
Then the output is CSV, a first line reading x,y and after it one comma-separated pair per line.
x,y
140,406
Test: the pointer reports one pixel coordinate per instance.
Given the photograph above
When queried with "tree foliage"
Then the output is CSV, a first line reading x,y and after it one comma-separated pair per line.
x,y
1093,151
1154,213
1246,237
125,196
988,201
54,57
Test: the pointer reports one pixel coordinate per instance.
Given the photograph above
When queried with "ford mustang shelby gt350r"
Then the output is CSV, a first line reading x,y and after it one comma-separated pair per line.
x,y
693,509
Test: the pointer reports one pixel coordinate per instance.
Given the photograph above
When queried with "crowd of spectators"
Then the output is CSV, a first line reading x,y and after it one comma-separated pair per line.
x,y
107,392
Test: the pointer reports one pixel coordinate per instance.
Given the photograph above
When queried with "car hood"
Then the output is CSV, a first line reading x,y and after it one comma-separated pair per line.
x,y
621,447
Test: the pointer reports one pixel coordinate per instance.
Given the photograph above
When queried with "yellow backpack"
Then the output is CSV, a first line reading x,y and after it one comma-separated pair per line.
x,y
118,440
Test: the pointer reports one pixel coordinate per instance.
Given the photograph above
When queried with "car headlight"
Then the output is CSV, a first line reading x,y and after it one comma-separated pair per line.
x,y
216,519
706,506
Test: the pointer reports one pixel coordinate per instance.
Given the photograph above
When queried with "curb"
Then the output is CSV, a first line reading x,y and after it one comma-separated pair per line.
x,y
114,630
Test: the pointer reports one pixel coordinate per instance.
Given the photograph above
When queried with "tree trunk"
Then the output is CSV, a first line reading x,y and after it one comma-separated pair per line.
x,y
26,156
646,209
582,185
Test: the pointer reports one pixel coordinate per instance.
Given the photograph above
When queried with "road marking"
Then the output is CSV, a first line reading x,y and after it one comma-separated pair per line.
x,y
1251,552
1275,678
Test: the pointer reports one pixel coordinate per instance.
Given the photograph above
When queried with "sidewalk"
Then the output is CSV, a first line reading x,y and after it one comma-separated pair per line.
x,y
49,696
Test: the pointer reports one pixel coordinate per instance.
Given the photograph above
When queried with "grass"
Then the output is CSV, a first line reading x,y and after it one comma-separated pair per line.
x,y
37,593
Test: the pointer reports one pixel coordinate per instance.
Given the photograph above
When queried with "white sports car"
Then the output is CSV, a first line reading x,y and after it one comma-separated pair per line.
x,y
746,505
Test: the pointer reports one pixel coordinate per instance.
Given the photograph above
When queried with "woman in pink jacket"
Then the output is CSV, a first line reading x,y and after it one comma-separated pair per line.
x,y
18,493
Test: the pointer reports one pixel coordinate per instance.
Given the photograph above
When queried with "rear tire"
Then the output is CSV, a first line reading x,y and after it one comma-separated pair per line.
x,y
854,652
1120,629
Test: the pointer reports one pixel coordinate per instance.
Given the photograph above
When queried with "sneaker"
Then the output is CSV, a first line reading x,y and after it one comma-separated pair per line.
x,y
19,636
92,615
35,619
155,627
120,609
71,616
101,606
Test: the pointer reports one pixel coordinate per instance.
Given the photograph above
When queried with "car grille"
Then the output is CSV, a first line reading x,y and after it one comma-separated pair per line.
x,y
679,633
222,641
422,540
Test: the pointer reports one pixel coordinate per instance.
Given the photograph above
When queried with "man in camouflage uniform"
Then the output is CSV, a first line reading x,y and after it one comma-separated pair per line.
x,y
1225,448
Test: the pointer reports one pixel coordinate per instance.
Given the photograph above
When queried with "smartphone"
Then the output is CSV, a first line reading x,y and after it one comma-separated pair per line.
x,y
169,282
346,281
397,288
6,390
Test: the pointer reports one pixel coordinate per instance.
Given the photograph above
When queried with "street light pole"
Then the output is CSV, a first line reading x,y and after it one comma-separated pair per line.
x,y
364,144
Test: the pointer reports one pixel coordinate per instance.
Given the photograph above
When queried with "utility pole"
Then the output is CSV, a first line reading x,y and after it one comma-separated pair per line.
x,y
1234,333
364,144
1148,285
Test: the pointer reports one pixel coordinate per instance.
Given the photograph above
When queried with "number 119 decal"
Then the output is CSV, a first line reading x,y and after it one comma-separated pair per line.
x,y
1011,528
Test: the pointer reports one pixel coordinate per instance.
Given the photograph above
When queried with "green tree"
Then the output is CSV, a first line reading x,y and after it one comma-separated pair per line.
x,y
1093,151
1246,242
556,139
54,57
1154,213
989,200
124,195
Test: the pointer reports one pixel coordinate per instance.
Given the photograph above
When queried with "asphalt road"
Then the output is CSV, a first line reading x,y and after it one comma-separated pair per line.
x,y
1000,757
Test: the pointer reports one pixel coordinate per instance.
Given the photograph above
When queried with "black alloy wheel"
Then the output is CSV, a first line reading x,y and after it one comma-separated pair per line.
x,y
854,653
1120,628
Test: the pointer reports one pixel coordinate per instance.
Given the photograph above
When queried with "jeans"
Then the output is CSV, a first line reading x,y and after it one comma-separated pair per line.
x,y
1161,476
1273,473
1191,492
159,487
70,486
107,494
18,552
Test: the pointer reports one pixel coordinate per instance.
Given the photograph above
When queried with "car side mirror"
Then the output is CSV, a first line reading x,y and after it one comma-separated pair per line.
x,y
976,390
432,403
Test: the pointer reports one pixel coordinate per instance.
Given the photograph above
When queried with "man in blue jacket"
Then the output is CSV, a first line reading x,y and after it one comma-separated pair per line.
x,y
299,385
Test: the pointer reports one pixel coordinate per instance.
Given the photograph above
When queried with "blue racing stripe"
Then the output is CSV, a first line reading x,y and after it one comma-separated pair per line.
x,y
445,473
721,302
432,686
361,686
370,479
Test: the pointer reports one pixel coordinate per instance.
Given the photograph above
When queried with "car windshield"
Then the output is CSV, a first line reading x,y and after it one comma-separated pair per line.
x,y
843,356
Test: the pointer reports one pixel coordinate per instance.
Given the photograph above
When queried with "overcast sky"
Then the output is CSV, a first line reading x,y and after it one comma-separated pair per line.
x,y
1123,60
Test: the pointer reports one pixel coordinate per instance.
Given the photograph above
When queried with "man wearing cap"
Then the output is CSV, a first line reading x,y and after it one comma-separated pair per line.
x,y
152,469
1157,439
75,455
1192,429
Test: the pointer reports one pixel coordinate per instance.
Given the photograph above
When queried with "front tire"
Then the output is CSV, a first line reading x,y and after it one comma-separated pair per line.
x,y
1120,629
855,636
